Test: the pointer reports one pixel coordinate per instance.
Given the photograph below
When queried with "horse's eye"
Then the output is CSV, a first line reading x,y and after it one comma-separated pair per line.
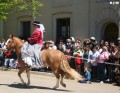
x,y
9,42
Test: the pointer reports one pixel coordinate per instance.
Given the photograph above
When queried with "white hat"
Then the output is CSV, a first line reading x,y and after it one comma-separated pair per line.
x,y
42,28
72,38
118,38
93,38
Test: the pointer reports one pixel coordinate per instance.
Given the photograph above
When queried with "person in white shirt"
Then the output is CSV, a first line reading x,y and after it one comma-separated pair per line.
x,y
52,45
94,62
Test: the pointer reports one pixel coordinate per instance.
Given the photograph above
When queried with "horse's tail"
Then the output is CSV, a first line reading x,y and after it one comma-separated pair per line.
x,y
69,72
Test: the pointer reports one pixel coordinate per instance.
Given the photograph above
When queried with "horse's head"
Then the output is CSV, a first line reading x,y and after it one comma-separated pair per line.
x,y
10,43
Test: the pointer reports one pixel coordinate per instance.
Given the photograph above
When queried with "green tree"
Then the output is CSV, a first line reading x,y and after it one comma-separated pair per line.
x,y
10,6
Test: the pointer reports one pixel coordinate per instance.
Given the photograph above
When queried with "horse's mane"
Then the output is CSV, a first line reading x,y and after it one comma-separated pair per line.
x,y
16,38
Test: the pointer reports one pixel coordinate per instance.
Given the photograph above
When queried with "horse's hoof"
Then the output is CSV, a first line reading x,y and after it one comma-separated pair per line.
x,y
55,87
64,85
28,84
25,84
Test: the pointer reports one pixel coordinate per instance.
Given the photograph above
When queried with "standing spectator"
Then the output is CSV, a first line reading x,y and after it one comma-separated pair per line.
x,y
94,62
3,43
78,53
13,58
118,41
60,47
2,57
106,43
93,42
7,58
114,58
104,55
101,45
52,45
46,45
68,47
109,68
87,57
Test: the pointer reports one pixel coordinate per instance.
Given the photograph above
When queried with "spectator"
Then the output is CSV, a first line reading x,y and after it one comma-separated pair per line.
x,y
13,58
3,43
87,57
78,53
87,77
7,58
2,58
52,45
94,62
60,47
93,42
118,41
104,55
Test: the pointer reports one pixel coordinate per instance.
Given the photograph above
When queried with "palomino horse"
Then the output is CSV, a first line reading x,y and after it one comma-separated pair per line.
x,y
55,59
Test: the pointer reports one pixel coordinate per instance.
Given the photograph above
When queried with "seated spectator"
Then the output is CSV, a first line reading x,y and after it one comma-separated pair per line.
x,y
87,77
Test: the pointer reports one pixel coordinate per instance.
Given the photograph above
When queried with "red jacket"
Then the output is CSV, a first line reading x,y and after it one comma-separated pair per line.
x,y
37,37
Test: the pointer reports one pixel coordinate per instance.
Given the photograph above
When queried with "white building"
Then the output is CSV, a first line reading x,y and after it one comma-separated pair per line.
x,y
78,18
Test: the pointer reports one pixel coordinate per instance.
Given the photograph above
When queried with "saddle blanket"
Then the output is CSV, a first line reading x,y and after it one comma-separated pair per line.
x,y
30,54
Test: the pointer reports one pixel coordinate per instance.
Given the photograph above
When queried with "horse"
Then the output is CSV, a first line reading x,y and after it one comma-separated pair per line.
x,y
55,59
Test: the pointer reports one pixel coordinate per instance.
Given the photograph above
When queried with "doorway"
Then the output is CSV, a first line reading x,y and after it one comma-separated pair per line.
x,y
62,29
111,32
26,25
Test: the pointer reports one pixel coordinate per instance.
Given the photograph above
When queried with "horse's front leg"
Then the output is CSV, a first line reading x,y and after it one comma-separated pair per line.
x,y
28,76
19,74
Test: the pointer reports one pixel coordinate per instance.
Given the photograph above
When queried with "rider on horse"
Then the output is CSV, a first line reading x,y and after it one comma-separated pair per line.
x,y
37,37
31,52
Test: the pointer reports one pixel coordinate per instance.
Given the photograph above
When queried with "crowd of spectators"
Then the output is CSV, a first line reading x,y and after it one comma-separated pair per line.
x,y
8,58
95,61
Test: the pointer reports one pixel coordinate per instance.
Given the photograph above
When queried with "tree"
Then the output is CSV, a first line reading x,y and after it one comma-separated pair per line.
x,y
10,6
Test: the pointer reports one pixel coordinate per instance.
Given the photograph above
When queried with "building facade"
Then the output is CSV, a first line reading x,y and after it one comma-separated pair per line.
x,y
69,18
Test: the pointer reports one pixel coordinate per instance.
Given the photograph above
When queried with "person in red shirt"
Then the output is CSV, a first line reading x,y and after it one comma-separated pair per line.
x,y
37,36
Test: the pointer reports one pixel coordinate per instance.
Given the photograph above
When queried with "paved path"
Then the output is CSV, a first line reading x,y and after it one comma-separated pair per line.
x,y
43,83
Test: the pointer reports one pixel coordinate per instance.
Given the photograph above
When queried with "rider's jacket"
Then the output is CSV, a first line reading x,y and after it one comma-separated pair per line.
x,y
37,37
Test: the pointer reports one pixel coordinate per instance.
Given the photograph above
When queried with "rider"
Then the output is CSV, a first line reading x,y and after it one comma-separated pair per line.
x,y
36,42
37,37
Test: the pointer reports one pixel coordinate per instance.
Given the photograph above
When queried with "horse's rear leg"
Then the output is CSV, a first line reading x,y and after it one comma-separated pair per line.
x,y
19,74
57,78
61,81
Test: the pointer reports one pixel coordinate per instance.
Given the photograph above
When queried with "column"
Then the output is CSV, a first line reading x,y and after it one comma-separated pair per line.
x,y
119,29
1,30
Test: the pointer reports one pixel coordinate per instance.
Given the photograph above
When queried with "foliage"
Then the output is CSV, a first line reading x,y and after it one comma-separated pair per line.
x,y
10,6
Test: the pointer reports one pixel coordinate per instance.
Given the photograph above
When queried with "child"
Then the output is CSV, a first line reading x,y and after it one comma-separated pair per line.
x,y
87,77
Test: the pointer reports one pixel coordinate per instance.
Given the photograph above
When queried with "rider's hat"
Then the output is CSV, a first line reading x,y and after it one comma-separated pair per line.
x,y
37,23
